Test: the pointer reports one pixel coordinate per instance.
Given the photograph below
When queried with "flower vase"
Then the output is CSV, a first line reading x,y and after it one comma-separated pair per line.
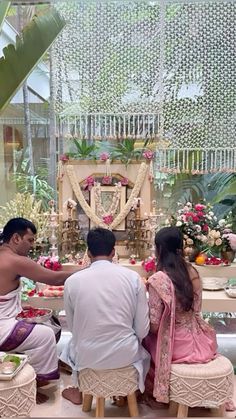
x,y
228,255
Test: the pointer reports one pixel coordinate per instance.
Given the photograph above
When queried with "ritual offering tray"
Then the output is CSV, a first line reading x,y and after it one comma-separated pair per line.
x,y
10,365
51,291
35,315
215,261
230,289
214,283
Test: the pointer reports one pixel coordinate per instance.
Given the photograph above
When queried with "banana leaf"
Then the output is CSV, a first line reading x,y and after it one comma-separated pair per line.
x,y
20,60
4,6
229,190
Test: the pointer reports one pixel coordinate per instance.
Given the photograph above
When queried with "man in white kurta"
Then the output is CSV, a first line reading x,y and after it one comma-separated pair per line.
x,y
107,312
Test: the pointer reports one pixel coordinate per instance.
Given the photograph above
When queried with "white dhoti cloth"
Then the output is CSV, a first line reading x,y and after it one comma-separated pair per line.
x,y
35,340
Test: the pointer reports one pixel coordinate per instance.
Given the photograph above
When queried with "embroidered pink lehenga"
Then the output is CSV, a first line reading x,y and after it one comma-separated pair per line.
x,y
182,336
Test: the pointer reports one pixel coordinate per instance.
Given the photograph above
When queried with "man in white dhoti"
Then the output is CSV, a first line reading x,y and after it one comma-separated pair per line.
x,y
35,340
107,313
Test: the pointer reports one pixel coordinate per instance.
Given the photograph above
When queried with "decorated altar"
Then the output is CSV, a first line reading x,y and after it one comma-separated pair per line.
x,y
114,195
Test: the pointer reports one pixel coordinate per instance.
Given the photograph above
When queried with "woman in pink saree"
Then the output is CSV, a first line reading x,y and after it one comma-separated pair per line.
x,y
178,334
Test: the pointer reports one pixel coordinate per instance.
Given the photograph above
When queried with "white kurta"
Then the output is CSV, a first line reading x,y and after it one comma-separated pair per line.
x,y
107,313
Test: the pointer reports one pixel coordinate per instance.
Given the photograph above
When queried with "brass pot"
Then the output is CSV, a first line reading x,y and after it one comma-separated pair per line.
x,y
228,255
190,253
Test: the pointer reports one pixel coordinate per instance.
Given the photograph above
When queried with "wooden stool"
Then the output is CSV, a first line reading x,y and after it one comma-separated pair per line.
x,y
104,384
201,385
18,396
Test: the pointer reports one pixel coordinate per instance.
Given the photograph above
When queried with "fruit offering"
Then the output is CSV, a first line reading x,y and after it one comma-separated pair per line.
x,y
201,259
214,261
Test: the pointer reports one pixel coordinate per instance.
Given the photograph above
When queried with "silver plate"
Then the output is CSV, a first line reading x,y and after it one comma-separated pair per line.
x,y
8,377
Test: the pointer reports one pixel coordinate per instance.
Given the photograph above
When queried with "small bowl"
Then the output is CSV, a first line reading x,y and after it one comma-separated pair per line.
x,y
2,356
231,291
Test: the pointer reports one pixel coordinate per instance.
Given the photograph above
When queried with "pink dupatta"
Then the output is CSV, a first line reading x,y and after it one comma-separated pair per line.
x,y
164,289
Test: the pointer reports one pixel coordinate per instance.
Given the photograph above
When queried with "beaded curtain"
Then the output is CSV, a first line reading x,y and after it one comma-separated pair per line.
x,y
157,69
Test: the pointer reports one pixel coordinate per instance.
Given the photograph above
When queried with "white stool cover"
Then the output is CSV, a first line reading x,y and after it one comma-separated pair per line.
x,y
18,396
206,385
107,383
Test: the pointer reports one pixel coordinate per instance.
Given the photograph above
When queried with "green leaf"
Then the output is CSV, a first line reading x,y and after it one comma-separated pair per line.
x,y
229,190
4,6
19,61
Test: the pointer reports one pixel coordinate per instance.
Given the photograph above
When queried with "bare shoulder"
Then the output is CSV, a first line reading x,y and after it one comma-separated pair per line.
x,y
193,272
195,277
8,259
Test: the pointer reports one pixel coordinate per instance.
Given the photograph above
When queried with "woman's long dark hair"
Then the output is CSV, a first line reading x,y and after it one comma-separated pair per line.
x,y
169,248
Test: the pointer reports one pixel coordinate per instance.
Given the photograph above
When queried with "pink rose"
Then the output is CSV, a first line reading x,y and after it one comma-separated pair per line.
x,y
205,228
149,265
199,207
189,215
48,264
56,266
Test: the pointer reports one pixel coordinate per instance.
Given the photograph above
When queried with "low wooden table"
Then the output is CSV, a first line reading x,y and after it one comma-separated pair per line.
x,y
216,301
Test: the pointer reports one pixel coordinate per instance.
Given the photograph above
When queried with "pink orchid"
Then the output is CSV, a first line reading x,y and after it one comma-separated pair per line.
x,y
64,158
89,183
104,156
107,180
124,181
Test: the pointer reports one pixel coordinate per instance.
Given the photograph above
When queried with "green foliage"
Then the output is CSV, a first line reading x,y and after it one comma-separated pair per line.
x,y
84,149
219,189
36,185
4,7
226,189
26,183
20,60
125,151
26,206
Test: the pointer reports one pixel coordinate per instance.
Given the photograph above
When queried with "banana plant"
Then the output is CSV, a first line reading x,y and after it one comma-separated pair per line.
x,y
19,60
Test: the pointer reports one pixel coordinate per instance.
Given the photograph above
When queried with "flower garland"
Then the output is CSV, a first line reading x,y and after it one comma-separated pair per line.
x,y
123,214
49,262
114,203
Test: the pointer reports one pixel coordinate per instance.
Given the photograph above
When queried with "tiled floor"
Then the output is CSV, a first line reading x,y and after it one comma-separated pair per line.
x,y
56,406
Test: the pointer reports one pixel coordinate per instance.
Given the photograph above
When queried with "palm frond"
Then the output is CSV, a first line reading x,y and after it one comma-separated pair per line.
x,y
19,61
4,6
